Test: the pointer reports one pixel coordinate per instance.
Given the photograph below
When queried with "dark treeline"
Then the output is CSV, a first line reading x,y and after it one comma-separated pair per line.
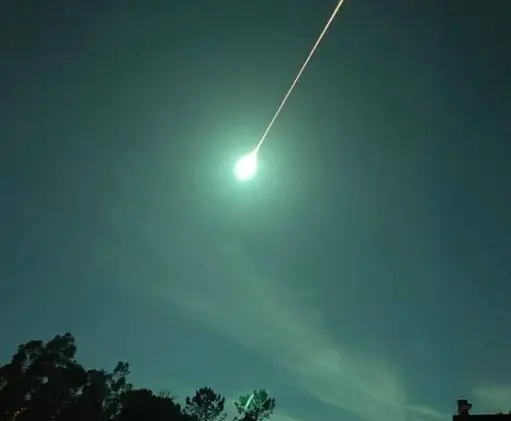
x,y
44,381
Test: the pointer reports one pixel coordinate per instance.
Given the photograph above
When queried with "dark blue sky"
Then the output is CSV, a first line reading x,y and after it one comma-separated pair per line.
x,y
362,275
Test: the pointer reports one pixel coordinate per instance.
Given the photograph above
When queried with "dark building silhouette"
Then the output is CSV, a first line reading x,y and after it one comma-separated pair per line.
x,y
464,414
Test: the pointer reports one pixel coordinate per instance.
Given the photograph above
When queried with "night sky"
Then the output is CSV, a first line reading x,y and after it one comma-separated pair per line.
x,y
363,275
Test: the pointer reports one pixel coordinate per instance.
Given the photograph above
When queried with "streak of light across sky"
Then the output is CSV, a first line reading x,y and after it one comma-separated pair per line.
x,y
299,74
246,167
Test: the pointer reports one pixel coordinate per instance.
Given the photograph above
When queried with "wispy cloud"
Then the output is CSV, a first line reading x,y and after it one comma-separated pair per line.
x,y
493,398
283,416
274,318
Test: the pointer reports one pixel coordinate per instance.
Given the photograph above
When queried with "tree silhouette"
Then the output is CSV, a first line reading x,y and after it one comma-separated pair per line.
x,y
42,377
205,405
142,404
255,406
43,381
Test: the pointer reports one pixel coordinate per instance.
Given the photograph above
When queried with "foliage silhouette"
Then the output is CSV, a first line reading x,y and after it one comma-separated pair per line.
x,y
44,381
256,406
205,405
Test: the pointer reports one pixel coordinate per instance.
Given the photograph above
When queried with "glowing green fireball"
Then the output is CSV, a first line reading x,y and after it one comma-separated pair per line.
x,y
246,166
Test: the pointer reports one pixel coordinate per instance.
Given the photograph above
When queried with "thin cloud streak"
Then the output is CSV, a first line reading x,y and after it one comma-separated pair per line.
x,y
493,398
273,318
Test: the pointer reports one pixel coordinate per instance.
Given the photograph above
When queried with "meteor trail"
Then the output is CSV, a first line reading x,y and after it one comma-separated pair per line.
x,y
297,78
246,167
